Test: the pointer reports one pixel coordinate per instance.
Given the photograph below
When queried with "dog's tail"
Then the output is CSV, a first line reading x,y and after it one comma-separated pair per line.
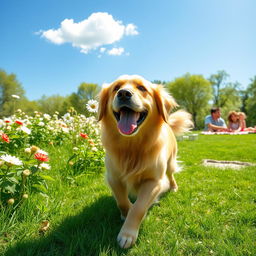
x,y
180,122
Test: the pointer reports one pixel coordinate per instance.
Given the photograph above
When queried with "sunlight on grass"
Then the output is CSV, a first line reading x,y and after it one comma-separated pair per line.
x,y
213,213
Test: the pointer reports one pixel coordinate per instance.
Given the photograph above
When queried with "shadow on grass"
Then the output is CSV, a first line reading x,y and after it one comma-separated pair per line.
x,y
91,232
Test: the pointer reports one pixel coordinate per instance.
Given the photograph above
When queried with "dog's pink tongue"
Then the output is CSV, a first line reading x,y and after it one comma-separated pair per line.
x,y
128,121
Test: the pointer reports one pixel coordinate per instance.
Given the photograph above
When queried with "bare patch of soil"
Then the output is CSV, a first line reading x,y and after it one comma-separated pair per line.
x,y
226,164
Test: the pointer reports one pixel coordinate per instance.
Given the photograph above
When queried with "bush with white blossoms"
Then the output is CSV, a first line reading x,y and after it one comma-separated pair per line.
x,y
19,177
24,167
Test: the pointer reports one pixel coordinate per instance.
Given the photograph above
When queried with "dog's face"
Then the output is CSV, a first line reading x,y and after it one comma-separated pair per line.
x,y
132,102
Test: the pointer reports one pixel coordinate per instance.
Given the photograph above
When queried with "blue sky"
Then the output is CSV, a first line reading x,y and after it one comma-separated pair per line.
x,y
53,46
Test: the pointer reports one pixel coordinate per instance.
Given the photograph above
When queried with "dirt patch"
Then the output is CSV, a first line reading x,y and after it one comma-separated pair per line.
x,y
226,164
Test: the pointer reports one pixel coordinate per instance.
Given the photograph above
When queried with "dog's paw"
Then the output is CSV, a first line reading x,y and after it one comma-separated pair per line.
x,y
127,239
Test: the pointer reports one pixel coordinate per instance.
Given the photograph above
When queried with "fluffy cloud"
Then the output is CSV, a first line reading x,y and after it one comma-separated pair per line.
x,y
116,51
131,30
97,30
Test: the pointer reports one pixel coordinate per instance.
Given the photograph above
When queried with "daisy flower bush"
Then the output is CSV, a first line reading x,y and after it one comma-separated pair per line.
x,y
24,167
88,155
20,177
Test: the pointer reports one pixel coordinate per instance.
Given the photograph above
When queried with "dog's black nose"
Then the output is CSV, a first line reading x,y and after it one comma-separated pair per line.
x,y
124,94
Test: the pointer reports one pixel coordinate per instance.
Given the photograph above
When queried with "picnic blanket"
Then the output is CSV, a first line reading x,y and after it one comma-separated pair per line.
x,y
226,133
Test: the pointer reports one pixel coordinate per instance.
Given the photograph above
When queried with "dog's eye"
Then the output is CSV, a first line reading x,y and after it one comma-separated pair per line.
x,y
142,88
116,88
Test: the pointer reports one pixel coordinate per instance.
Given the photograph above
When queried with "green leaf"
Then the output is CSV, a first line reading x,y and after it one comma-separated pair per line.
x,y
72,157
40,188
13,180
9,186
47,177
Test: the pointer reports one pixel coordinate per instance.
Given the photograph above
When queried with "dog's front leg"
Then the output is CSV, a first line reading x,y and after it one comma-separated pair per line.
x,y
148,192
120,193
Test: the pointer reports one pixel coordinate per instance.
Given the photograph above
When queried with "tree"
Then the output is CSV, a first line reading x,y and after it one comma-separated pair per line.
x,y
250,103
226,95
52,104
85,92
158,82
10,86
230,98
218,81
192,92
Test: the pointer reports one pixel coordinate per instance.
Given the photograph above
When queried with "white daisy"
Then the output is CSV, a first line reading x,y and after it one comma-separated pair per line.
x,y
42,152
11,160
47,117
24,129
27,150
92,106
45,166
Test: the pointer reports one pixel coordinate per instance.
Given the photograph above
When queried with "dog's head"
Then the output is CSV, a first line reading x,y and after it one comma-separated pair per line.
x,y
132,102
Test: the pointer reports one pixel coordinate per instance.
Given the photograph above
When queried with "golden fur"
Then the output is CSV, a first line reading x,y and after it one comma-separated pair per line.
x,y
144,160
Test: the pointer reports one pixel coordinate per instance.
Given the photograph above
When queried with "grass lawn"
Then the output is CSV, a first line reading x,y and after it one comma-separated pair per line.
x,y
213,213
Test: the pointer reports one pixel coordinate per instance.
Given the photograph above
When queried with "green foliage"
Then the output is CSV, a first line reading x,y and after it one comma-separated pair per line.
x,y
193,93
226,95
52,104
250,103
19,180
9,86
87,158
85,92
218,81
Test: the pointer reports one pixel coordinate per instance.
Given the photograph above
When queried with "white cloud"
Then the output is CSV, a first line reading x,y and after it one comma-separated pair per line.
x,y
97,30
131,30
102,49
116,51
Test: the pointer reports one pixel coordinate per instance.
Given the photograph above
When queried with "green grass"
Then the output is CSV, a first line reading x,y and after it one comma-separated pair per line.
x,y
213,213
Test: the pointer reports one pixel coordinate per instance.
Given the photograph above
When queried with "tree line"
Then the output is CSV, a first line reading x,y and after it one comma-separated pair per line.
x,y
195,93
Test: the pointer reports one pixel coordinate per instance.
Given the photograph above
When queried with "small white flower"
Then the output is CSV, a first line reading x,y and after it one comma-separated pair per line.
x,y
92,106
66,116
25,129
15,96
47,117
41,123
65,129
42,152
11,160
28,150
45,166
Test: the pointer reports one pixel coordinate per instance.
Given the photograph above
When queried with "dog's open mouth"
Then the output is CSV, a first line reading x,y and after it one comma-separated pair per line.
x,y
128,120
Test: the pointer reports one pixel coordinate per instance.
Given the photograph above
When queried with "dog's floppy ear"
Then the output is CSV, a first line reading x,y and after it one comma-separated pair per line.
x,y
103,101
164,101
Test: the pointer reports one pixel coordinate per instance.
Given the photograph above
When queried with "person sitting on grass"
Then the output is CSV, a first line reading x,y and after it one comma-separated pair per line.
x,y
242,121
214,122
233,122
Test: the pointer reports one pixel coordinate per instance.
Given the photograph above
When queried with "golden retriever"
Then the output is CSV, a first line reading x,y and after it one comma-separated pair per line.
x,y
138,133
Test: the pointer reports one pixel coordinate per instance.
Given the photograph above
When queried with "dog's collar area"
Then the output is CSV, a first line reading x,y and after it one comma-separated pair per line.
x,y
128,120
